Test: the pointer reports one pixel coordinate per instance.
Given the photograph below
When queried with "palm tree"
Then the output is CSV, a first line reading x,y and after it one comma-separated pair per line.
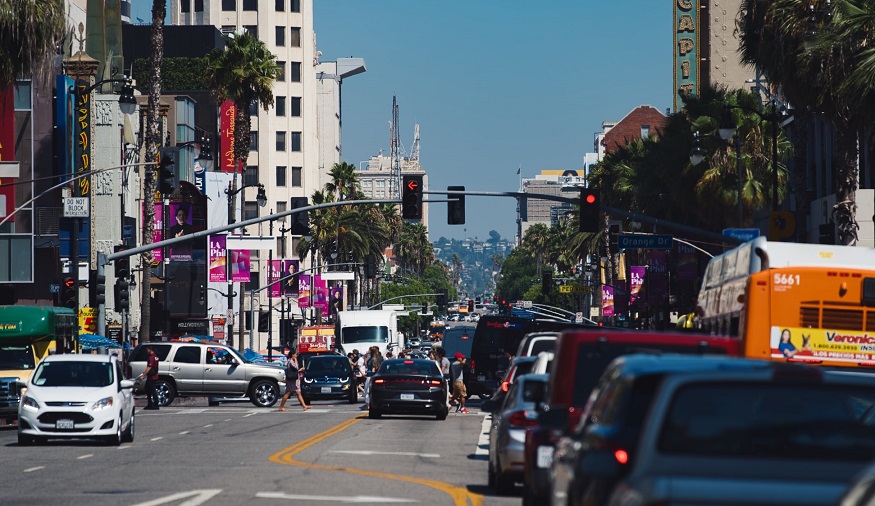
x,y
535,244
414,250
344,181
29,34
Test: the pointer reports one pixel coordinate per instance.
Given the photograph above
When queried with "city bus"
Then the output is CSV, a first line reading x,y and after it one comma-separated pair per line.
x,y
27,335
796,302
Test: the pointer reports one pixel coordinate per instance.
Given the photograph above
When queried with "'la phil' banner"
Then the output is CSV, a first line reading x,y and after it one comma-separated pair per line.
x,y
304,290
240,266
607,300
157,230
274,274
217,268
636,273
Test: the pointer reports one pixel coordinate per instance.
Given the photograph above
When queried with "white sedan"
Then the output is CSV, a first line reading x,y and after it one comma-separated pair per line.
x,y
77,396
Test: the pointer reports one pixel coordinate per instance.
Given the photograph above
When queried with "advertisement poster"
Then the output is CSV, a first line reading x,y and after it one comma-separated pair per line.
x,y
607,300
800,344
157,231
290,282
240,266
335,299
227,112
686,263
656,276
216,268
304,290
7,153
274,274
636,279
180,225
320,293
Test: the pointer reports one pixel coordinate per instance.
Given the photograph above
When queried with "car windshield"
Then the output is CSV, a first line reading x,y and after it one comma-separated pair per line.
x,y
774,421
365,335
73,374
16,358
416,367
339,364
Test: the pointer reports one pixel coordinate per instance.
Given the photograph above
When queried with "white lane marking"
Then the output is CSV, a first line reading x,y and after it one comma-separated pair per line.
x,y
208,425
483,441
86,456
123,447
183,433
250,414
328,498
197,497
32,469
400,454
227,419
192,411
157,438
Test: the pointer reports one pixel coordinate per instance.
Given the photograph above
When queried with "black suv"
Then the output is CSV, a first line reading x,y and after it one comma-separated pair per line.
x,y
329,377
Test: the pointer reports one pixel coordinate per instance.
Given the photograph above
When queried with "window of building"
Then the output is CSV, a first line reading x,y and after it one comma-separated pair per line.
x,y
251,175
184,5
280,104
253,108
281,36
281,206
296,5
250,210
229,5
253,141
250,5
22,100
280,5
280,141
297,177
296,141
366,183
294,36
645,131
281,175
296,72
296,107
198,5
281,76
228,29
251,30
380,183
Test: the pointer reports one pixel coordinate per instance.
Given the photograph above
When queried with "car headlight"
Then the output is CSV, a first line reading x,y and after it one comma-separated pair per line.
x,y
344,380
30,402
102,404
308,380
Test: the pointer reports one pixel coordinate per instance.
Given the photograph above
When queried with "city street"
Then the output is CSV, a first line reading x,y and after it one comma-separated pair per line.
x,y
237,454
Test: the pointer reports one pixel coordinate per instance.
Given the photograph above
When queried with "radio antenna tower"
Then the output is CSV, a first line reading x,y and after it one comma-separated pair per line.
x,y
395,146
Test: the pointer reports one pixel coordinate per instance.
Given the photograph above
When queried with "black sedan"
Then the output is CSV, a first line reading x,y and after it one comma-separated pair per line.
x,y
329,377
408,386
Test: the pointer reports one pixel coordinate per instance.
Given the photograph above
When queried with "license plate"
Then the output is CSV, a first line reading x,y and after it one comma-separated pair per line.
x,y
64,424
545,456
326,390
481,378
406,397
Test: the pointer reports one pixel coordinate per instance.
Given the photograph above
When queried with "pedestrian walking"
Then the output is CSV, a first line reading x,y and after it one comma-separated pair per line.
x,y
457,372
292,384
151,375
360,372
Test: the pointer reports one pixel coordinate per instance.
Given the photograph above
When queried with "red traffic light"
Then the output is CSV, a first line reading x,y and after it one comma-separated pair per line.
x,y
69,282
412,185
590,199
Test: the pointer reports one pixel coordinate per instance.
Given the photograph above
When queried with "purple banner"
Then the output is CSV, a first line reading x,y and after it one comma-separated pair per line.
x,y
656,276
607,300
274,274
240,266
157,231
180,225
686,263
217,266
320,300
636,273
290,285
304,290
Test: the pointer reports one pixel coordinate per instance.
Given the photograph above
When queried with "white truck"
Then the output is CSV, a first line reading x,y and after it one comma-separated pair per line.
x,y
360,330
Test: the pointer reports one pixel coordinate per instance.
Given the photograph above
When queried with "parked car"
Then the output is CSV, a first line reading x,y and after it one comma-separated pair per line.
x,y
519,366
510,419
329,377
717,430
77,396
190,369
581,355
408,386
536,342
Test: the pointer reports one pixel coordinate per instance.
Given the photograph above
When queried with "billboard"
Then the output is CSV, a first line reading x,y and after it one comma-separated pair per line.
x,y
686,51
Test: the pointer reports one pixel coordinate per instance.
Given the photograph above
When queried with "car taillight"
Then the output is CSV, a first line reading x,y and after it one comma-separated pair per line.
x,y
518,419
436,383
379,381
622,456
472,364
505,386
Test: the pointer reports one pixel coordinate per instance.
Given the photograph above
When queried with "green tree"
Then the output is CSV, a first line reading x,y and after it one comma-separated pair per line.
x,y
29,33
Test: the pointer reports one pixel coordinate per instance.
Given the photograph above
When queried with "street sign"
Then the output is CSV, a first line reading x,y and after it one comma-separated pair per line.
x,y
641,241
76,207
742,234
573,289
527,304
578,317
55,288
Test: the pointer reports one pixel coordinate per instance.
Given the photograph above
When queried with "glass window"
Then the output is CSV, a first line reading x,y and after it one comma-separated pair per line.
x,y
198,5
250,211
366,183
294,36
251,30
280,36
253,108
253,141
73,374
280,105
281,175
250,5
280,141
296,5
281,76
229,5
22,98
251,175
296,141
297,176
228,29
280,5
645,131
296,72
281,208
188,355
296,107
184,5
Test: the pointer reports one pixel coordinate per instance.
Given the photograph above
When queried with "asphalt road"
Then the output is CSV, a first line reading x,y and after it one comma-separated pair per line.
x,y
236,454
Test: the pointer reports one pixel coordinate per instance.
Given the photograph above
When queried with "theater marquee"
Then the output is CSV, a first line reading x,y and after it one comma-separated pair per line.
x,y
686,51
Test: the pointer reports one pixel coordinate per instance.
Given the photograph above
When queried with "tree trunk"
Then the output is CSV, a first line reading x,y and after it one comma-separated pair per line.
x,y
845,177
153,140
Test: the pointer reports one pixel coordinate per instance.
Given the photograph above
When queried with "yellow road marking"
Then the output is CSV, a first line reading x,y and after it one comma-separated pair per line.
x,y
461,496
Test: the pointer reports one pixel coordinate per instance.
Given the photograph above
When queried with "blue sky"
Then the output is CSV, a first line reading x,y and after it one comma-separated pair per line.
x,y
494,85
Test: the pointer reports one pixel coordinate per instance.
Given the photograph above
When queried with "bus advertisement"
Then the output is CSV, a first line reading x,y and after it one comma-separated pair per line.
x,y
809,303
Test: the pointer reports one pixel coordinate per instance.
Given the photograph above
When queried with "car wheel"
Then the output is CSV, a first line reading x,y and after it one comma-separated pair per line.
x,y
491,475
116,439
211,402
264,393
165,392
24,439
374,414
503,483
128,436
442,414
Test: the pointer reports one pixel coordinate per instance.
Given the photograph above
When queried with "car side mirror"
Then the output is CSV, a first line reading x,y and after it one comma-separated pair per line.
x,y
599,464
126,384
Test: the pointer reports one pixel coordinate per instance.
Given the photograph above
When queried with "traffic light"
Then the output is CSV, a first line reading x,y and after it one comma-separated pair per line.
x,y
477,301
411,198
456,206
122,294
614,238
470,306
99,281
263,321
423,309
546,282
70,293
166,179
300,221
590,210
441,299
370,266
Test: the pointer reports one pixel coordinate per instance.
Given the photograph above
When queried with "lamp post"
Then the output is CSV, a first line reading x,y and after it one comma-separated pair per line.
x,y
261,199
